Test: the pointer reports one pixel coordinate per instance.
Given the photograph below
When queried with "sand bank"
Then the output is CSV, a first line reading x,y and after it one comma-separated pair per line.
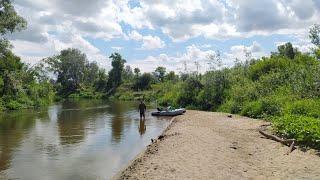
x,y
206,145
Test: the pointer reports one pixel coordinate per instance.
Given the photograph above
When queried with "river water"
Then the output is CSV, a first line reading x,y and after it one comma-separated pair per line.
x,y
74,140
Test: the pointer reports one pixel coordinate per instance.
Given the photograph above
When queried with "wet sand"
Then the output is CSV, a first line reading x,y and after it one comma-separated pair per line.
x,y
206,145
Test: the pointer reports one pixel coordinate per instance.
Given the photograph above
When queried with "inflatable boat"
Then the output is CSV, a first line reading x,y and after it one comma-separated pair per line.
x,y
173,112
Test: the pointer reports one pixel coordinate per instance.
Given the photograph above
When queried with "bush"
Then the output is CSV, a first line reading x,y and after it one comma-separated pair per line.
x,y
306,107
262,109
305,130
231,107
253,109
14,105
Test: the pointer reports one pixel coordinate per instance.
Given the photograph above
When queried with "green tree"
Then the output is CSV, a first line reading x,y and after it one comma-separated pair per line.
x,y
160,73
216,84
10,21
314,35
91,73
69,66
171,76
136,72
189,92
115,74
143,82
101,83
286,50
127,73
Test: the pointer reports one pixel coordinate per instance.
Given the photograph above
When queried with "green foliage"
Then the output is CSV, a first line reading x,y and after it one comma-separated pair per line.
x,y
143,82
267,65
286,50
20,85
14,105
160,73
304,129
215,86
189,92
127,74
263,108
10,21
305,107
70,67
171,76
314,34
115,74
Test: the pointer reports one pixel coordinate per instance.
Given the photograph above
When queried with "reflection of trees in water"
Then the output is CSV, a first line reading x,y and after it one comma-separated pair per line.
x,y
74,118
13,127
118,110
117,121
142,127
71,127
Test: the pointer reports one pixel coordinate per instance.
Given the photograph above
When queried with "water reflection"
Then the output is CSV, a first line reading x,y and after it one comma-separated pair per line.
x,y
142,127
117,121
73,140
13,126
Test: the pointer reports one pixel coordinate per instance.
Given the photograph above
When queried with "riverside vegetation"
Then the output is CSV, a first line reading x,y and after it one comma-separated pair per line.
x,y
283,88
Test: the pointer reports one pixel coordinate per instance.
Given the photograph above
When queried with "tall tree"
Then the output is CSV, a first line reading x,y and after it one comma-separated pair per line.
x,y
69,66
314,34
160,73
91,73
127,73
10,21
286,50
136,72
10,64
101,83
115,74
143,82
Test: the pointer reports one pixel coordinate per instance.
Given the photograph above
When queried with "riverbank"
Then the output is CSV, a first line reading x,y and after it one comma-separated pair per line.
x,y
206,145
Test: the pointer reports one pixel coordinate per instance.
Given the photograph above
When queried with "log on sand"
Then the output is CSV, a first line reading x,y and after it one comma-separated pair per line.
x,y
287,142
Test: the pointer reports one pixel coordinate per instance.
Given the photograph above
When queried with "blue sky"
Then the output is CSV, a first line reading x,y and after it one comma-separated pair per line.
x,y
163,32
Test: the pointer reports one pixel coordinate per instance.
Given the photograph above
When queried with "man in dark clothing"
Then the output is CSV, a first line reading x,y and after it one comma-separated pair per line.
x,y
142,109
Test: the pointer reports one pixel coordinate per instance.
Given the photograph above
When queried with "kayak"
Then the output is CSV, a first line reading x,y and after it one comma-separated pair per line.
x,y
174,112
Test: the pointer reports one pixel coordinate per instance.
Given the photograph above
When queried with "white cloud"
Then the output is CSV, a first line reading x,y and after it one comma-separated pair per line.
x,y
57,24
176,63
148,42
185,19
32,52
135,36
240,51
118,48
152,42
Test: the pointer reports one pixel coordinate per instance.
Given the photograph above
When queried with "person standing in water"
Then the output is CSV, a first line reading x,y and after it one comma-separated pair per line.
x,y
142,109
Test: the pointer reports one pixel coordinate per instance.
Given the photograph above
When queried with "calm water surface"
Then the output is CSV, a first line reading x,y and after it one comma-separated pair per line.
x,y
74,140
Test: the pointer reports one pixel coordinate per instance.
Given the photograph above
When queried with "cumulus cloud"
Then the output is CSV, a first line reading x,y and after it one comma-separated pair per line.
x,y
193,54
182,20
57,24
240,52
148,42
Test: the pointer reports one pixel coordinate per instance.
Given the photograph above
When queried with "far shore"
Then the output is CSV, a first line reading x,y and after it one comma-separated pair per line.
x,y
207,145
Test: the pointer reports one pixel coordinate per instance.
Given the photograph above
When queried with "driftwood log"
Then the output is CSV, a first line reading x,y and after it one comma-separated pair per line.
x,y
287,142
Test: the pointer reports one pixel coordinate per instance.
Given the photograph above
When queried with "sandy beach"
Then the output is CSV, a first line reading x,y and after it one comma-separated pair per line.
x,y
206,145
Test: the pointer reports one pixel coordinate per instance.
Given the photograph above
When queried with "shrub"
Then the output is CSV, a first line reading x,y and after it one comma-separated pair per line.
x,y
253,109
231,107
267,65
305,130
262,109
14,105
306,107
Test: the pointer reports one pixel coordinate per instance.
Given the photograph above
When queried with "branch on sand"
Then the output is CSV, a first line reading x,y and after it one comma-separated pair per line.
x,y
287,142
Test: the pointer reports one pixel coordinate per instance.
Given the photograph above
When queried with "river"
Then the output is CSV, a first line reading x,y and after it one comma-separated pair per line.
x,y
85,139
